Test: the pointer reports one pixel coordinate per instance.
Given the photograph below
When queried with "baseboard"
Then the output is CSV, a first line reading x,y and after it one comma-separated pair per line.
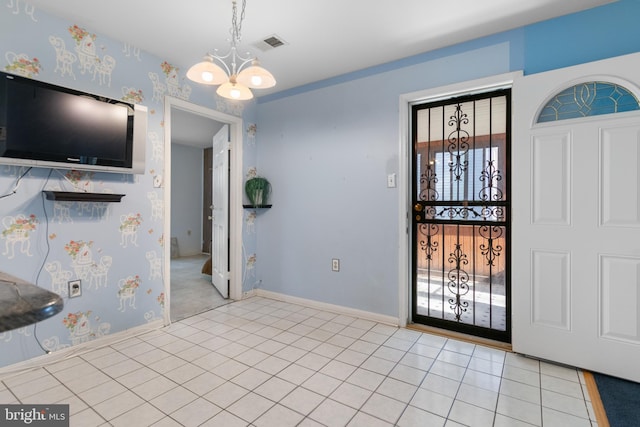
x,y
57,356
249,294
338,309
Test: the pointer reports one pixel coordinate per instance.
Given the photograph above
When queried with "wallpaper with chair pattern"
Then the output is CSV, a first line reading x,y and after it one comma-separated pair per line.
x,y
115,249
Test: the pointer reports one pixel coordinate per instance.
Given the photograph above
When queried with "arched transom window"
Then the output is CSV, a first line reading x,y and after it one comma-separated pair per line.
x,y
588,99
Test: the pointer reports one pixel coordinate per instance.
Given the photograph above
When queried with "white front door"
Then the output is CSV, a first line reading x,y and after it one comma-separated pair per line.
x,y
220,212
576,225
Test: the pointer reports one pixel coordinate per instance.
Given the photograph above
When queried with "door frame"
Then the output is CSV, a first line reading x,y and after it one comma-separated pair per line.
x,y
235,195
405,172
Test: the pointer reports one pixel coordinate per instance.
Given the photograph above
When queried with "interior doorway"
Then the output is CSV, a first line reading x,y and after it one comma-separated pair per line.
x,y
181,115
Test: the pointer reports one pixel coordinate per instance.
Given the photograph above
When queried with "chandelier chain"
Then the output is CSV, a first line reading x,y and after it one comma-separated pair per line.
x,y
236,28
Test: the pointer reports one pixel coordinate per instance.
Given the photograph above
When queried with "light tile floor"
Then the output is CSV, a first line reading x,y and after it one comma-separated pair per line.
x,y
261,362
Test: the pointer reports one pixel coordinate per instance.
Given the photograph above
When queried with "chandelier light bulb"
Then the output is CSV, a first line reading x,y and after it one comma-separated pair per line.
x,y
256,77
207,76
256,80
207,73
233,90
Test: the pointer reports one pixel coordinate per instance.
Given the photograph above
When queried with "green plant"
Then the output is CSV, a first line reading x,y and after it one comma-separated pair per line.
x,y
258,190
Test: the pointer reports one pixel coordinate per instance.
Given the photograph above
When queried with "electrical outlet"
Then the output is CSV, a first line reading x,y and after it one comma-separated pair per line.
x,y
75,288
335,264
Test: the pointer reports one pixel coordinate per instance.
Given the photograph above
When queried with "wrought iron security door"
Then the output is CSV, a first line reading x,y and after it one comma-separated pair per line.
x,y
460,225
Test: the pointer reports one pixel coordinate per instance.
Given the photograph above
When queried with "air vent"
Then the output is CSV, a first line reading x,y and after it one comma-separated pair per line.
x,y
273,41
270,42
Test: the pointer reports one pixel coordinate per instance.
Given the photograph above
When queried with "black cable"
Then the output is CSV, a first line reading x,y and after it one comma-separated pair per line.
x,y
15,187
46,217
46,255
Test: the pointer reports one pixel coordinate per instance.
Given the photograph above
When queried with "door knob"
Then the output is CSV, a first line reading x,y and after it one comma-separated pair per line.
x,y
210,217
418,207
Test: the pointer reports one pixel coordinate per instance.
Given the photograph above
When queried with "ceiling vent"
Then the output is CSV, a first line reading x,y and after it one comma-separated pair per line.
x,y
270,42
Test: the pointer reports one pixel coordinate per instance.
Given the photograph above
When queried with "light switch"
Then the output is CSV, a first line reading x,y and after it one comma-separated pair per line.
x,y
391,180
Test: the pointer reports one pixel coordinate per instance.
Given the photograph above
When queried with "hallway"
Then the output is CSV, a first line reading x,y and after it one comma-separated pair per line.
x,y
191,291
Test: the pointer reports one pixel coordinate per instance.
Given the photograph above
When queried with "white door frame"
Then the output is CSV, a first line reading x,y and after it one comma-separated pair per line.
x,y
405,209
235,195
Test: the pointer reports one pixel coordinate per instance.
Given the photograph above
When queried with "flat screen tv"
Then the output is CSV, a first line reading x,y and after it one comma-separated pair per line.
x,y
45,125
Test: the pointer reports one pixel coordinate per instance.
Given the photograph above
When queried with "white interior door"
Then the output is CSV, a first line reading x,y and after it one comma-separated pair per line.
x,y
220,212
576,226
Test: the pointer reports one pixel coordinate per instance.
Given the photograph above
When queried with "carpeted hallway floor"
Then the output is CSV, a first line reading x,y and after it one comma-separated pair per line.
x,y
191,291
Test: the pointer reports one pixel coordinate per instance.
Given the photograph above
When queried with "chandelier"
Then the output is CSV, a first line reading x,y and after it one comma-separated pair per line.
x,y
238,73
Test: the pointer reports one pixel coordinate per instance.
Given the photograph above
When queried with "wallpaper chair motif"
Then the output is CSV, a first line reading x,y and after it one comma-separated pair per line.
x,y
127,292
99,271
17,229
59,277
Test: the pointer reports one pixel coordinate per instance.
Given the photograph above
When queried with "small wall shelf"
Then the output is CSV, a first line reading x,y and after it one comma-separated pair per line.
x,y
76,196
256,206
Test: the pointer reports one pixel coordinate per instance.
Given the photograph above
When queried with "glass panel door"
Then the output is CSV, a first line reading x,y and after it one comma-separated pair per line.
x,y
460,225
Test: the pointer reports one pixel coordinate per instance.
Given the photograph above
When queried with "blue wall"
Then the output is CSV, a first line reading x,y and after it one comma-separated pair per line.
x,y
186,198
328,147
594,34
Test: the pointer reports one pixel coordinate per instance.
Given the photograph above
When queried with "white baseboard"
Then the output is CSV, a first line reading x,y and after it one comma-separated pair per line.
x,y
338,309
249,294
57,356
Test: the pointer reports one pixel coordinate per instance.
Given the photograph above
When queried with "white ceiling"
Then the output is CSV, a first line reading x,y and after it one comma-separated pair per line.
x,y
325,38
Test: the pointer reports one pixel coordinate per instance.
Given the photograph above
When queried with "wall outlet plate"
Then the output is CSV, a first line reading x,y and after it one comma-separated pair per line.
x,y
75,288
335,264
391,180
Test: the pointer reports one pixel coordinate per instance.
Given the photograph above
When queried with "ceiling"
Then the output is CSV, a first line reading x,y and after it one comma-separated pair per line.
x,y
324,38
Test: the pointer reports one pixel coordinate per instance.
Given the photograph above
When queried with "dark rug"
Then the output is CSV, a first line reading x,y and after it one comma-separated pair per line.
x,y
621,400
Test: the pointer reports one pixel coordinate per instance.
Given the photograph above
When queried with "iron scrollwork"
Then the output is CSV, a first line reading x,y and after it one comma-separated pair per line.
x,y
463,213
429,245
458,281
430,179
491,251
458,144
490,174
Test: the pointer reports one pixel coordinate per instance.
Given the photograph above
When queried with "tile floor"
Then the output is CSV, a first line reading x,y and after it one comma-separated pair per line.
x,y
261,362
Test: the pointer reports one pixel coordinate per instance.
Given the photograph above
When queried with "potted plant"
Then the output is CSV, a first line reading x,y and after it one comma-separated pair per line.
x,y
258,190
